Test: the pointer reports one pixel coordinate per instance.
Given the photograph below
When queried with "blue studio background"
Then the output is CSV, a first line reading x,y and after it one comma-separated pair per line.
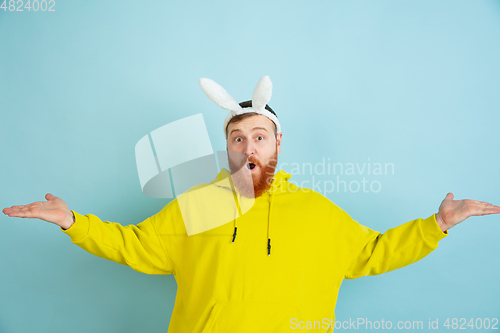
x,y
412,83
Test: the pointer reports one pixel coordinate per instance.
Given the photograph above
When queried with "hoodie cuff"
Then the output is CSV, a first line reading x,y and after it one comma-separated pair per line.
x,y
79,229
431,230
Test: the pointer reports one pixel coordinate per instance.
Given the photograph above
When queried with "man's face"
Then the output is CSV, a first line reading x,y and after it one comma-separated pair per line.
x,y
253,141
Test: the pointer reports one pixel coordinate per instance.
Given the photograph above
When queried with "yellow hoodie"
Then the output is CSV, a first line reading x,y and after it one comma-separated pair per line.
x,y
233,282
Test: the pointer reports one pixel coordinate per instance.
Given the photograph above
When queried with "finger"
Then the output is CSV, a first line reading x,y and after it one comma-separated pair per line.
x,y
13,207
480,202
19,209
476,202
21,213
449,196
485,204
489,211
50,196
27,205
490,205
10,211
31,210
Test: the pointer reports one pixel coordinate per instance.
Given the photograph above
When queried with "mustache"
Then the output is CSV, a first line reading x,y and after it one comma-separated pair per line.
x,y
253,160
267,168
238,160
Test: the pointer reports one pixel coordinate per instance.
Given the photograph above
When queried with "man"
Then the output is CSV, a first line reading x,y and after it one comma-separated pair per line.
x,y
228,278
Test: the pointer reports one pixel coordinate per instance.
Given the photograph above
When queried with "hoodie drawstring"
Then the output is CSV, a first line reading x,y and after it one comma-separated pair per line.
x,y
269,225
235,218
268,220
235,228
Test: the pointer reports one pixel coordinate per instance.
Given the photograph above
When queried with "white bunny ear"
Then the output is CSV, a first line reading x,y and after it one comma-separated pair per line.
x,y
262,93
219,95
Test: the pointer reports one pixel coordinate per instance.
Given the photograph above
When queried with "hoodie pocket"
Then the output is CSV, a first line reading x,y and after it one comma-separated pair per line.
x,y
243,317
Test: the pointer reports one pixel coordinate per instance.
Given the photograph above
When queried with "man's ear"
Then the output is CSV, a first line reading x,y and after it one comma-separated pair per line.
x,y
278,142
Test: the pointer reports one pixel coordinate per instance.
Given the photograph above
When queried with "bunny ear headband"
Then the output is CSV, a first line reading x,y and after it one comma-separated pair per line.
x,y
261,96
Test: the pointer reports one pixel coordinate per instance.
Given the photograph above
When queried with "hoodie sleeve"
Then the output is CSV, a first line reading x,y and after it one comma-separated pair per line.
x,y
137,246
375,253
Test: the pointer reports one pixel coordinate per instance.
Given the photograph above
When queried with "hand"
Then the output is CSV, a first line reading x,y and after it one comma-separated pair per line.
x,y
452,212
54,210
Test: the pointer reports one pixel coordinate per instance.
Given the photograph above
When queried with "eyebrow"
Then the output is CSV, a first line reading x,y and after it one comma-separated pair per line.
x,y
253,129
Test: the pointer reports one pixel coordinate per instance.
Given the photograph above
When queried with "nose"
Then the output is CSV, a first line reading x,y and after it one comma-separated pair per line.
x,y
249,148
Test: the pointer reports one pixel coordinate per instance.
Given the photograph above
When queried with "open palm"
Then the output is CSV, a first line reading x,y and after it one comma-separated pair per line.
x,y
54,210
451,212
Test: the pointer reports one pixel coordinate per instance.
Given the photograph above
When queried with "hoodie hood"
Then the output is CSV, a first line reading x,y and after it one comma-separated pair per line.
x,y
279,185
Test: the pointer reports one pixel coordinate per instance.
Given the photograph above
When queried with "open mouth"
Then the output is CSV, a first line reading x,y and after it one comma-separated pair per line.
x,y
251,166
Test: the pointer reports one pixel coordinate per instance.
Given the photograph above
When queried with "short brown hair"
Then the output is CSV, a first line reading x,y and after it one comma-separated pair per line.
x,y
240,117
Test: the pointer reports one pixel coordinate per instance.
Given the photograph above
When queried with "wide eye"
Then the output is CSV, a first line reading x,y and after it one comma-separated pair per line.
x,y
238,139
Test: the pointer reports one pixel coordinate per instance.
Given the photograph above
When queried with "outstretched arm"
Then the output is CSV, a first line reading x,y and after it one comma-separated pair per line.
x,y
137,246
452,212
376,253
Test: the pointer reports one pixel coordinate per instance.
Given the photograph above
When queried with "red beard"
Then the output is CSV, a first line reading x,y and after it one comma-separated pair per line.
x,y
251,185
